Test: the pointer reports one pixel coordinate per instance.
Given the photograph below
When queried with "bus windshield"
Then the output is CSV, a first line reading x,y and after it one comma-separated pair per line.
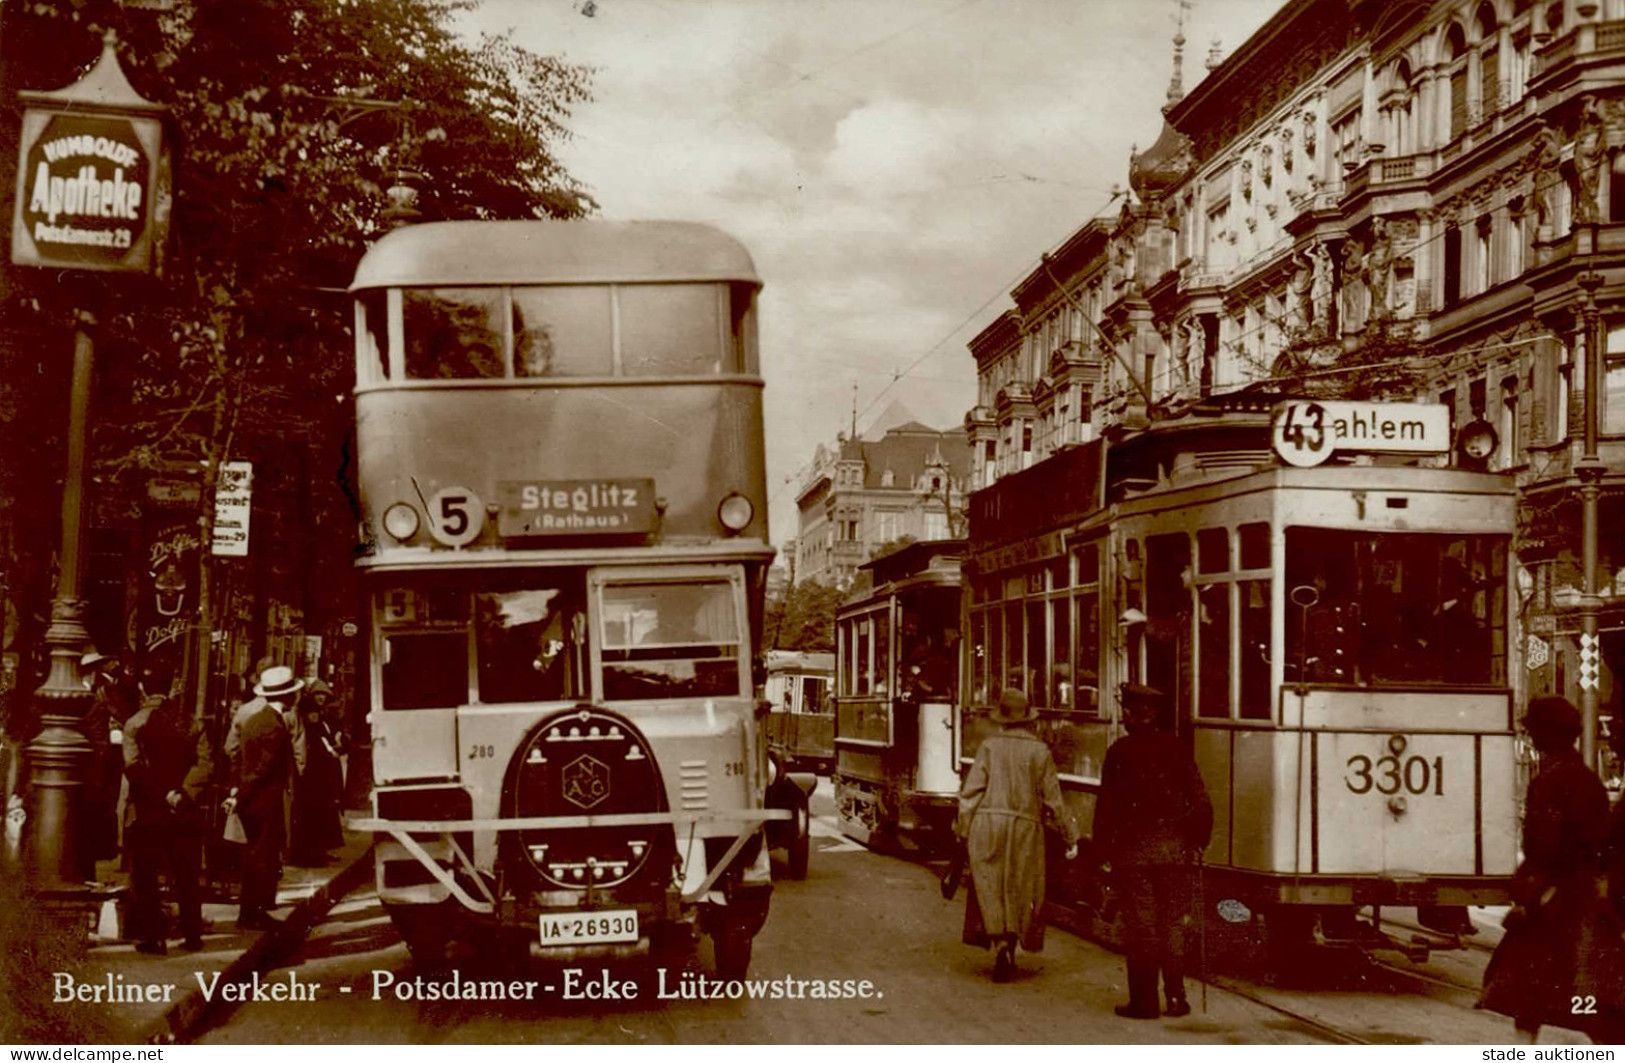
x,y
670,640
1391,609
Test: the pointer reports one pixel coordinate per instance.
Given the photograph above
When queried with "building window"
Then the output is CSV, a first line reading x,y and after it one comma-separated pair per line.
x,y
1482,275
1456,40
1452,266
1489,63
1345,142
1511,445
1611,416
1218,240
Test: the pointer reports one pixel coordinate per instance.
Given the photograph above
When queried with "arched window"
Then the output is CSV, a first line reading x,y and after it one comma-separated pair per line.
x,y
1489,62
1456,48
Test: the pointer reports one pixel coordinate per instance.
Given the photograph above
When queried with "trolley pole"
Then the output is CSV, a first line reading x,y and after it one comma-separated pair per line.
x,y
1589,469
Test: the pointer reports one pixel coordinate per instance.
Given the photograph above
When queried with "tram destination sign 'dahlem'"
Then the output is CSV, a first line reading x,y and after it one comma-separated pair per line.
x,y
85,191
1308,432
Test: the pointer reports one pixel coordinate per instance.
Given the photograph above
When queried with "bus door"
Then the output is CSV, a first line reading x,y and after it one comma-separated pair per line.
x,y
421,649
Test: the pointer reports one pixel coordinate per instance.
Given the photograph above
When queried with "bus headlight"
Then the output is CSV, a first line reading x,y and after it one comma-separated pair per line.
x,y
401,521
736,512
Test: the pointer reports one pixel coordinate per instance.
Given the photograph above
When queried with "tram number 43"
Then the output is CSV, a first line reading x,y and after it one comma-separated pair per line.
x,y
1390,775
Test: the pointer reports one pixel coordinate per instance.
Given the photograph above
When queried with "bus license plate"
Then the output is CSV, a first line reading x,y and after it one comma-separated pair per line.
x,y
589,928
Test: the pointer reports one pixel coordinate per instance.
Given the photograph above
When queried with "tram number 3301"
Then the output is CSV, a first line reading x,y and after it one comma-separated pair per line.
x,y
1390,774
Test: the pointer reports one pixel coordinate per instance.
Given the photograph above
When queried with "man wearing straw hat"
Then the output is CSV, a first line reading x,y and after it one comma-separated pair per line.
x,y
262,765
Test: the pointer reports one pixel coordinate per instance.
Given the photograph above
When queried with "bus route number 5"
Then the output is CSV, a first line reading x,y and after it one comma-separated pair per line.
x,y
456,516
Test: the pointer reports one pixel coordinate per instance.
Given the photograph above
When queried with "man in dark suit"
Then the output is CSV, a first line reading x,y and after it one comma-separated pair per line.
x,y
168,762
1152,821
262,764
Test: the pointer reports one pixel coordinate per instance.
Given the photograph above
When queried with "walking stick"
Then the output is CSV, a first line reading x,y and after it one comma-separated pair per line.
x,y
1201,930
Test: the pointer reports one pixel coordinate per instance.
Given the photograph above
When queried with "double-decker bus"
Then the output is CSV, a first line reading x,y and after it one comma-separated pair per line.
x,y
560,458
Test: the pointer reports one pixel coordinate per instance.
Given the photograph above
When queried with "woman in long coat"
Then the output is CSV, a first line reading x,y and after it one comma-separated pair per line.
x,y
1001,818
1556,964
318,793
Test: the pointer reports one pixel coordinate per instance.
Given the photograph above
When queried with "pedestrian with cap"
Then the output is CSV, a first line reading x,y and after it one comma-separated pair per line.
x,y
1002,807
168,762
1153,819
262,768
1556,948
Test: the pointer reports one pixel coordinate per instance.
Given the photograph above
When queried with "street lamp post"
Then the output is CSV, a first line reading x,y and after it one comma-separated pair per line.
x,y
1589,469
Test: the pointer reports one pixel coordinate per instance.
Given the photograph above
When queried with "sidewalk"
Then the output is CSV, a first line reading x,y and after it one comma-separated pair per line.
x,y
305,895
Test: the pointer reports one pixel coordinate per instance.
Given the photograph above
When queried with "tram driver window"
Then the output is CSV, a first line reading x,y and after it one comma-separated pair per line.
x,y
425,670
675,329
1396,608
454,333
670,640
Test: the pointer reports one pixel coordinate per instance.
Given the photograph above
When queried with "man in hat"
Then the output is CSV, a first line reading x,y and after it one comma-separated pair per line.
x,y
113,701
1556,948
262,767
1152,821
167,760
1001,819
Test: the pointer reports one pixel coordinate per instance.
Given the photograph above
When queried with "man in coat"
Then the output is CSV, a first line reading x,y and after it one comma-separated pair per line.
x,y
168,762
1152,821
262,767
113,701
1557,948
1001,818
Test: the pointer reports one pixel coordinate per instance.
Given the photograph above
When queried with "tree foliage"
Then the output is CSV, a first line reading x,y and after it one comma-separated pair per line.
x,y
805,620
289,120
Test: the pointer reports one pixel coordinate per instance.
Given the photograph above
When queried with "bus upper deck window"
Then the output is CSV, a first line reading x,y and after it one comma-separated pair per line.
x,y
455,333
372,335
675,330
563,331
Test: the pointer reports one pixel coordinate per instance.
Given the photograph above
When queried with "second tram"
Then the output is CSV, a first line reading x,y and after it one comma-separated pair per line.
x,y
897,696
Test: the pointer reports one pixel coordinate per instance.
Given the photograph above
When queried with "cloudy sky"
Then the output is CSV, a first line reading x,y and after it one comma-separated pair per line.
x,y
894,166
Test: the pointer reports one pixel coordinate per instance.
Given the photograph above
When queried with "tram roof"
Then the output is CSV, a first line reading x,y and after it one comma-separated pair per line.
x,y
451,253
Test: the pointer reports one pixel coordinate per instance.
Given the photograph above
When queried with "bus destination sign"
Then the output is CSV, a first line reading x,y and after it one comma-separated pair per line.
x,y
1307,432
576,507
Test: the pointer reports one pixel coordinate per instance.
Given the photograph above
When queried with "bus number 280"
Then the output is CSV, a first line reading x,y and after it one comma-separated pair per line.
x,y
1390,775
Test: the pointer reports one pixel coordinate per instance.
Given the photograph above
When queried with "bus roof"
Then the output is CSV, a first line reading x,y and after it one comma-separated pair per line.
x,y
454,253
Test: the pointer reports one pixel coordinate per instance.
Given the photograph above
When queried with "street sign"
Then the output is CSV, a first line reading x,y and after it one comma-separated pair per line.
x,y
232,496
1307,433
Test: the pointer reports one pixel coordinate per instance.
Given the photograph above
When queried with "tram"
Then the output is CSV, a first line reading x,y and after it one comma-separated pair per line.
x,y
896,699
1336,642
801,718
561,467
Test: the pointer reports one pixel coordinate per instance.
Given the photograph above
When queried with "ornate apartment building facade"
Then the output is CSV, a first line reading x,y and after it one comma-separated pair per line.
x,y
864,493
1369,198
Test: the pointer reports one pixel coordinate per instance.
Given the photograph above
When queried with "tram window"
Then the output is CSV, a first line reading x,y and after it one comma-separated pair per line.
x,y
673,329
372,338
526,646
563,331
995,652
1089,564
1213,550
455,333
1087,692
1255,649
1038,671
1255,545
860,653
425,670
978,657
1396,608
670,640
1062,697
882,654
1213,651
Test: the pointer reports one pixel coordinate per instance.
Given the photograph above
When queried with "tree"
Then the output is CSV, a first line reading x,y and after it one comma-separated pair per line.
x,y
289,118
806,618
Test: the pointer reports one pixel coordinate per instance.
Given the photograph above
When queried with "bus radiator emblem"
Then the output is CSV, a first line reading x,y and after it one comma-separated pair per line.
x,y
586,781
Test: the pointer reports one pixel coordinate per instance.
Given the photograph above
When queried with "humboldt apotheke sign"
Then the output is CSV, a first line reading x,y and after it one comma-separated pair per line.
x,y
88,179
